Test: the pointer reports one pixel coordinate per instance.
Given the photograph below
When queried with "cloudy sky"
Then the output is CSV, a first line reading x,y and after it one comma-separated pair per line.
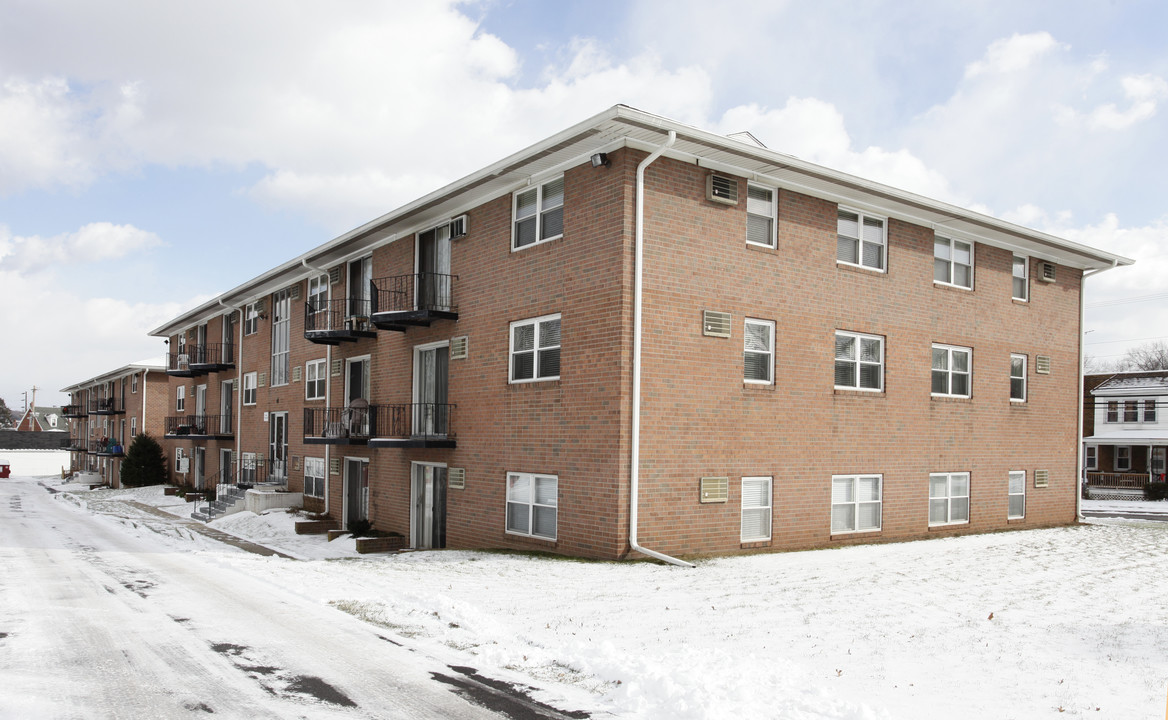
x,y
155,154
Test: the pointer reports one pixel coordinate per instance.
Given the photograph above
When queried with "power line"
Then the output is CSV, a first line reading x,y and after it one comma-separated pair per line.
x,y
1125,301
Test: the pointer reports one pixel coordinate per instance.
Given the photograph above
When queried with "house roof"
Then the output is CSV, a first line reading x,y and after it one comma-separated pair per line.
x,y
1132,383
1130,437
41,419
622,126
149,364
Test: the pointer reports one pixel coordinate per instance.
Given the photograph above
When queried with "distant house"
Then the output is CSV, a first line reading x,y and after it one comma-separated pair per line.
x,y
1125,431
43,419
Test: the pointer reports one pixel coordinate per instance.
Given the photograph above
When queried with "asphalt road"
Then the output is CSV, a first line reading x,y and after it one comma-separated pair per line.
x,y
98,622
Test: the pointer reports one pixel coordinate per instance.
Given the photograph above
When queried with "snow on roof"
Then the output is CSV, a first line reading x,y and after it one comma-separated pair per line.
x,y
1157,380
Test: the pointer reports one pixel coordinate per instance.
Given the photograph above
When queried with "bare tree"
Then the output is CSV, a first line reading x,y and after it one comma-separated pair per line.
x,y
1093,365
1149,356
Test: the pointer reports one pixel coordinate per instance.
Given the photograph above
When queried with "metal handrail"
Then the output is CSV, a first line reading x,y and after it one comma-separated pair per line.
x,y
339,314
199,425
416,291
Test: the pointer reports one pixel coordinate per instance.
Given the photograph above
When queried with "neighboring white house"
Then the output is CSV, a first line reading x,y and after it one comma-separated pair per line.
x,y
1126,429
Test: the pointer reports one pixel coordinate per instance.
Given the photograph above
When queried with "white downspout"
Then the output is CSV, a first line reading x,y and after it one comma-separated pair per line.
x,y
328,391
145,372
1082,395
635,461
237,388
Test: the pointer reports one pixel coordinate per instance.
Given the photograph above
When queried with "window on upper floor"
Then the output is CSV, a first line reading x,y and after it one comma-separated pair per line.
x,y
1018,378
948,498
859,361
318,290
134,383
951,371
249,388
133,428
1021,278
281,336
1150,410
1112,411
535,349
1131,411
759,351
756,509
251,318
860,239
180,398
953,263
532,505
538,214
1016,494
315,379
761,207
855,503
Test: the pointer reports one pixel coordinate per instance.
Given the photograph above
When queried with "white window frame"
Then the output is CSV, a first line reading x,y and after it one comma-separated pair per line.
x,y
180,398
950,262
178,456
1025,389
318,292
768,352
861,216
1126,456
1114,411
764,511
281,339
314,468
858,362
852,500
529,505
313,379
950,350
1150,412
1131,409
251,318
134,383
535,350
949,498
771,214
133,428
540,211
1091,457
1016,488
250,384
1024,277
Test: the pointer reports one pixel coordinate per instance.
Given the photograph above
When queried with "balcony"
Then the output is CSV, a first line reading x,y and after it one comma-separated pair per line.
x,y
107,448
413,300
333,322
413,425
198,427
106,406
339,426
75,411
196,360
78,444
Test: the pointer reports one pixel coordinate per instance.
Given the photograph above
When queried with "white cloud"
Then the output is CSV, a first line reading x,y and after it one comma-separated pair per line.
x,y
1143,91
1009,55
94,242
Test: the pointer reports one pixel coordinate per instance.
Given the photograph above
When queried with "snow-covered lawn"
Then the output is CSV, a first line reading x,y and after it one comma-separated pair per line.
x,y
1066,622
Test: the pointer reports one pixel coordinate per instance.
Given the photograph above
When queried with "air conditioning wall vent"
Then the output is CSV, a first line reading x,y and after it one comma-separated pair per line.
x,y
722,189
456,478
458,227
1047,273
459,348
715,489
715,324
1041,478
1042,364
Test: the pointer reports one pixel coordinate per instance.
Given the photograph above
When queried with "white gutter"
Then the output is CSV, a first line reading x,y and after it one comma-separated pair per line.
x,y
1082,394
328,390
635,461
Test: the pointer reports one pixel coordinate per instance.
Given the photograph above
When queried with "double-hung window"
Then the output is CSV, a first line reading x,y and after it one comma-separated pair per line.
x,y
1017,494
860,240
134,383
1131,411
759,352
1112,411
314,477
249,388
855,503
1018,378
315,378
760,215
535,349
251,318
133,427
859,361
539,214
1021,278
948,498
1091,457
1122,458
951,371
756,509
318,288
953,263
1150,411
281,336
532,504
180,398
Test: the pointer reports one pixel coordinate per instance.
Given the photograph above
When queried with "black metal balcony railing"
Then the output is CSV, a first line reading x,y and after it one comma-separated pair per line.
x,y
107,448
415,421
197,426
399,425
195,360
339,426
106,406
332,322
415,299
78,444
75,411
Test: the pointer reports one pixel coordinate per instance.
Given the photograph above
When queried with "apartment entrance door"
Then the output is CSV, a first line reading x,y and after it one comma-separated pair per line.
x,y
428,503
200,461
431,411
356,490
278,447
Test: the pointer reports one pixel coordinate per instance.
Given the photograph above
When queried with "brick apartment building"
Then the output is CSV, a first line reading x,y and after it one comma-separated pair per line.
x,y
640,336
107,411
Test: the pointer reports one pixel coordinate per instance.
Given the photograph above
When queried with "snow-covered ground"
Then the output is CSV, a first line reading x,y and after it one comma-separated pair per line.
x,y
36,462
1066,622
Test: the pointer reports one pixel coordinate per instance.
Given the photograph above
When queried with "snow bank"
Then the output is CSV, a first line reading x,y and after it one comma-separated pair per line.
x,y
37,463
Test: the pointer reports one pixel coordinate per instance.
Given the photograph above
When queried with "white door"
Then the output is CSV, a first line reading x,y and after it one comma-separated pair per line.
x,y
201,409
278,447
